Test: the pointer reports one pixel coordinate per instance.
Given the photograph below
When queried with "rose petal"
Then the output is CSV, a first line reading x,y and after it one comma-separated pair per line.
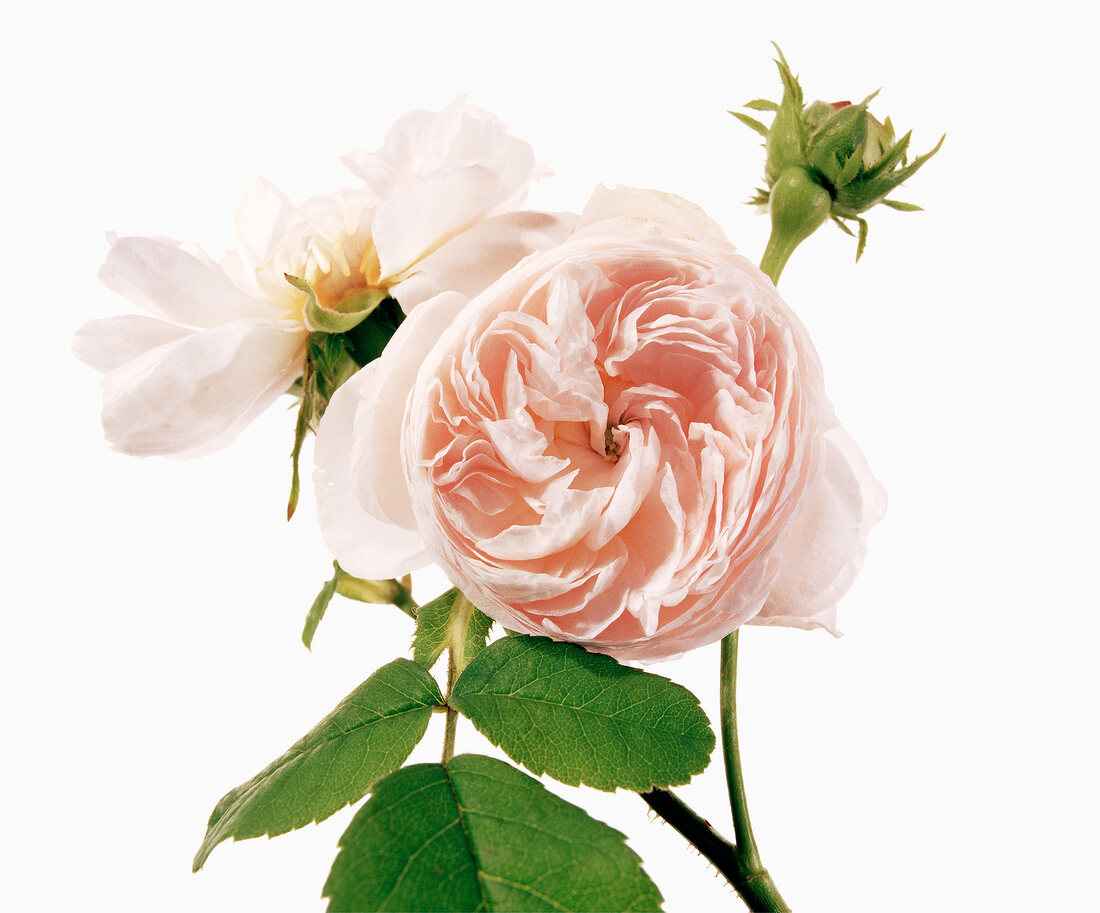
x,y
827,544
363,544
109,343
377,465
648,212
262,218
438,173
476,258
185,394
170,282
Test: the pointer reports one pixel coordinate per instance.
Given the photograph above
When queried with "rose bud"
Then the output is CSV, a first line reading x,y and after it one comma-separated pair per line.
x,y
840,147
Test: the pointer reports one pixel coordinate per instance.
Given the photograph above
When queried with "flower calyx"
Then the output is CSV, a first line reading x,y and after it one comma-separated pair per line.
x,y
342,339
351,311
833,150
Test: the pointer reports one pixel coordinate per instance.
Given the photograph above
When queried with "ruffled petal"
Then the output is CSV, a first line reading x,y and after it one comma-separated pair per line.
x,y
438,173
161,277
475,259
107,344
632,211
827,544
179,397
363,544
376,458
262,219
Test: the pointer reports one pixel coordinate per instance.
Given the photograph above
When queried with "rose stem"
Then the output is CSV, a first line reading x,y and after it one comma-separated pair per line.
x,y
757,892
452,715
462,612
747,852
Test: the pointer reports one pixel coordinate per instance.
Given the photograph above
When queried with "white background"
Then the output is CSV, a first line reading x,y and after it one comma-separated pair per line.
x,y
940,755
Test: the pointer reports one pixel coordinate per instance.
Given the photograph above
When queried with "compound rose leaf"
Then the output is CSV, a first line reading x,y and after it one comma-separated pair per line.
x,y
582,717
369,734
477,834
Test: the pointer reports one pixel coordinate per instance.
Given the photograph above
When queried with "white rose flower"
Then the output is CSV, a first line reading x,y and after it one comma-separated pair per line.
x,y
437,213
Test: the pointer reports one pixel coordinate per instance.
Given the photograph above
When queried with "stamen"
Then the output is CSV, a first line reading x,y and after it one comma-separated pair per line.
x,y
611,447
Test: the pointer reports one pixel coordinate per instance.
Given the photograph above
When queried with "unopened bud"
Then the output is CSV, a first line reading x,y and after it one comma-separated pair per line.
x,y
843,150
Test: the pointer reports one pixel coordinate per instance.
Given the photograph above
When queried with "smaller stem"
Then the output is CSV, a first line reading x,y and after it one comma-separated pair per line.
x,y
735,781
774,259
406,604
452,715
756,889
716,849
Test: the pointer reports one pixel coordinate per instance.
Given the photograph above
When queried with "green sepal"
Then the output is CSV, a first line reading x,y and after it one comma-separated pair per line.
x,y
390,591
751,122
891,157
862,243
863,193
367,736
584,718
449,621
327,365
835,142
786,141
850,169
760,104
348,314
474,833
903,207
317,610
378,592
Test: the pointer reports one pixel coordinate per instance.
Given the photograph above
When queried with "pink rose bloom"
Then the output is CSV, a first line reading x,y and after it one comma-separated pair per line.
x,y
624,442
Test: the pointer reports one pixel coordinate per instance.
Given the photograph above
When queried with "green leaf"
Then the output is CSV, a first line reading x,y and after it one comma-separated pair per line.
x,y
317,610
368,735
751,122
477,834
582,717
477,633
440,620
433,620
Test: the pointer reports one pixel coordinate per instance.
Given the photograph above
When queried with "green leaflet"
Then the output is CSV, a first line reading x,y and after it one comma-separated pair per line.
x,y
434,623
582,717
477,834
368,735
